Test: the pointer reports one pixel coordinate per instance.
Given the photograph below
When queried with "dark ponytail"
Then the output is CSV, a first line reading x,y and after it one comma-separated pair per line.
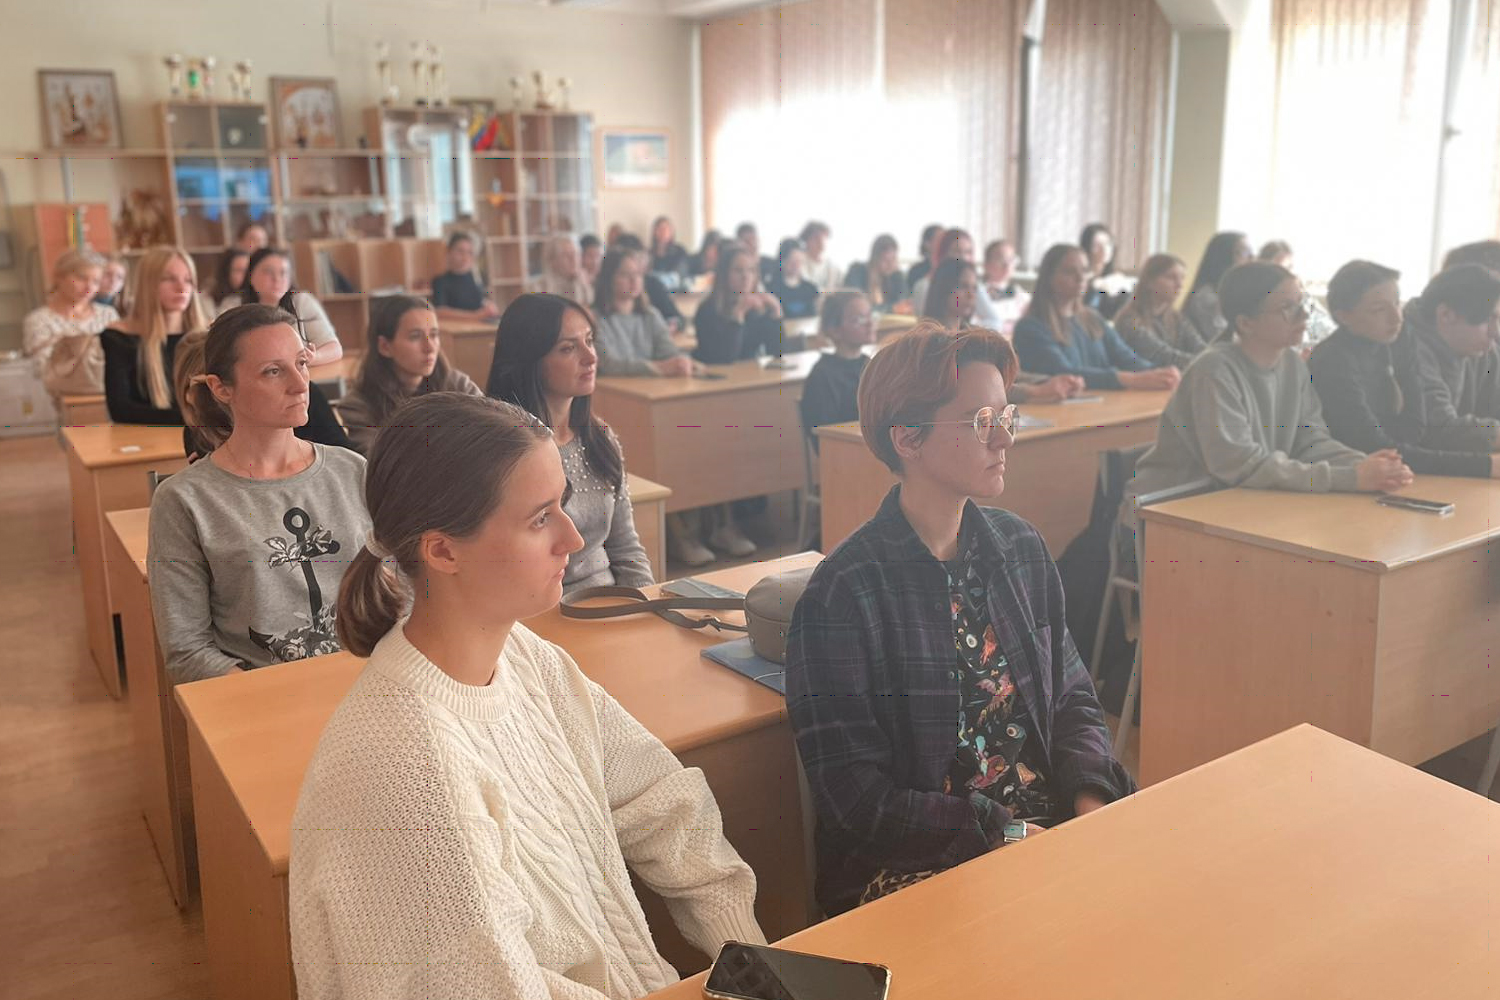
x,y
440,464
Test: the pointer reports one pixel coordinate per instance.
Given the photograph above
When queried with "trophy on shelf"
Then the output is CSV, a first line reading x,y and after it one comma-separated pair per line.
x,y
195,79
389,92
239,81
419,71
437,78
174,64
543,98
208,63
563,83
516,83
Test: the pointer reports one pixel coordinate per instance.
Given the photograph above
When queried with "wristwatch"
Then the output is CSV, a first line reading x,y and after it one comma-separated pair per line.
x,y
1015,831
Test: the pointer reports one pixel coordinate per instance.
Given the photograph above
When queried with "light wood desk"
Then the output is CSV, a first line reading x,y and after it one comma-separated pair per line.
x,y
648,506
160,735
107,466
1279,871
470,346
712,440
1266,609
335,378
1050,471
82,410
252,735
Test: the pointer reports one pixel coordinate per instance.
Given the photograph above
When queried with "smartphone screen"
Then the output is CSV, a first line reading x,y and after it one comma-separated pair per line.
x,y
751,972
1417,504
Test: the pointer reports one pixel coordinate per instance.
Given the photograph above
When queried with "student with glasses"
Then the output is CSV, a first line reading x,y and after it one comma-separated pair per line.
x,y
933,604
1246,413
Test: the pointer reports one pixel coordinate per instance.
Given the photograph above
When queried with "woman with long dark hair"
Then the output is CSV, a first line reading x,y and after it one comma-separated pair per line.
x,y
546,364
268,280
1152,324
880,277
1108,290
1202,310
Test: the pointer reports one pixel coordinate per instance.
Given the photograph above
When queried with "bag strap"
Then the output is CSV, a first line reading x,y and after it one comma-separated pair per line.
x,y
633,602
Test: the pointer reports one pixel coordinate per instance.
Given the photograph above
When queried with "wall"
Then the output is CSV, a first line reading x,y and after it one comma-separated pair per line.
x,y
1197,153
628,68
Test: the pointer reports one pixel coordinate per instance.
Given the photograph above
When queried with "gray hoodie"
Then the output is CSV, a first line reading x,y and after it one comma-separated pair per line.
x,y
1462,395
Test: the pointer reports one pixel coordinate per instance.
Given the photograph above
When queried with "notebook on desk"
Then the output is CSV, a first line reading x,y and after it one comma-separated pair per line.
x,y
1030,423
739,657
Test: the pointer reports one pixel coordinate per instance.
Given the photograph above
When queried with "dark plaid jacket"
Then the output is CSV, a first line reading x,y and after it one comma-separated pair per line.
x,y
875,706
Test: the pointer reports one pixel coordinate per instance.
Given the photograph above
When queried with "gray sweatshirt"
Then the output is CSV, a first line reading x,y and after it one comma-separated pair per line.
x,y
1243,425
245,572
629,342
358,414
1461,395
612,553
1162,339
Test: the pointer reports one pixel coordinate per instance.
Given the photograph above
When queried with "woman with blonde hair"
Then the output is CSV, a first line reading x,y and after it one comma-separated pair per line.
x,y
139,349
1151,324
562,270
63,335
879,278
1059,335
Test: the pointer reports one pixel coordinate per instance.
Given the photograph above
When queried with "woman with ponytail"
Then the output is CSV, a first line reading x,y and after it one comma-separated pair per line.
x,y
248,546
470,821
138,350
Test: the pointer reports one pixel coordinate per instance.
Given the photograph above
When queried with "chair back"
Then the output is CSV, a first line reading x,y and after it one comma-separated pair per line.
x,y
155,479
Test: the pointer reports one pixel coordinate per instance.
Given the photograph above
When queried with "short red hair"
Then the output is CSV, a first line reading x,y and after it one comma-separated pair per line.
x,y
915,374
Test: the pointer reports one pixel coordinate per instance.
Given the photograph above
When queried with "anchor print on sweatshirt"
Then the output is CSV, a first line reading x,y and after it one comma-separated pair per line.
x,y
315,635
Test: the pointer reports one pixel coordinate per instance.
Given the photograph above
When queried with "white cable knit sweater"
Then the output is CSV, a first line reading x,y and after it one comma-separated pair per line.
x,y
452,841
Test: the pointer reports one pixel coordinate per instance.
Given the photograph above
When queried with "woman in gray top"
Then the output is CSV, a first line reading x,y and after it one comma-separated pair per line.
x,y
633,339
248,546
546,362
1151,323
1202,310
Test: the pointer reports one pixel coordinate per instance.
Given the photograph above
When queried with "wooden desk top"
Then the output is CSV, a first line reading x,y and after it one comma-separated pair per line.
x,y
1277,871
740,376
82,399
100,445
1118,408
644,490
346,367
262,726
1346,528
468,327
132,527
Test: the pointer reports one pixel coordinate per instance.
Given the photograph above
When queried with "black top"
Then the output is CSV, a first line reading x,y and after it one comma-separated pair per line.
x,y
770,267
671,265
1106,305
919,270
457,291
124,394
661,300
797,301
831,393
1373,398
892,288
322,427
721,340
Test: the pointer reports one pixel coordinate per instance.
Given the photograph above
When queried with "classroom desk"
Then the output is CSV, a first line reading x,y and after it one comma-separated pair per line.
x,y
470,346
251,736
1050,471
335,378
107,466
1278,871
81,410
1266,609
648,506
712,440
160,734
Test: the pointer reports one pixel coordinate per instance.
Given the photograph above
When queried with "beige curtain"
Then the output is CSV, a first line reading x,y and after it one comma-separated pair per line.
x,y
1357,109
1099,132
1481,105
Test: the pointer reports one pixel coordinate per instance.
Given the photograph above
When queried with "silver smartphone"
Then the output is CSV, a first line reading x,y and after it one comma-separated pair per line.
x,y
1439,507
755,972
691,586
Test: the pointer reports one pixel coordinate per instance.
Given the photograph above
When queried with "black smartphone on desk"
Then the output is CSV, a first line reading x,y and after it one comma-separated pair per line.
x,y
1438,507
755,972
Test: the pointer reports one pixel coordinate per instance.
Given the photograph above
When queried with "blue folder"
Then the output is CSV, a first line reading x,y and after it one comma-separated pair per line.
x,y
739,657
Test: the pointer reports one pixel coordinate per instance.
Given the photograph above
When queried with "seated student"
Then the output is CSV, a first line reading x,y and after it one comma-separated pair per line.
x,y
1485,253
138,350
562,272
62,336
1151,324
829,394
927,245
747,235
590,256
1455,326
1246,413
1108,289
798,295
737,320
1202,311
403,358
819,267
268,280
956,244
656,291
707,258
669,259
880,277
632,337
457,292
1008,298
252,236
872,677
510,797
1370,383
1278,252
229,278
112,284
1319,324
545,363
247,546
1061,336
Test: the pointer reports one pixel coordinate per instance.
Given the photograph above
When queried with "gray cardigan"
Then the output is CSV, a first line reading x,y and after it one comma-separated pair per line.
x,y
361,422
1461,395
612,553
1204,315
629,342
1165,339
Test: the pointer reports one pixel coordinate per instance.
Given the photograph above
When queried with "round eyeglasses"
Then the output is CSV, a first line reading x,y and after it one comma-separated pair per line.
x,y
986,419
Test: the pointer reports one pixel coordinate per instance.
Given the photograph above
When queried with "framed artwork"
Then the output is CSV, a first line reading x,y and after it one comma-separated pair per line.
x,y
636,158
305,111
80,109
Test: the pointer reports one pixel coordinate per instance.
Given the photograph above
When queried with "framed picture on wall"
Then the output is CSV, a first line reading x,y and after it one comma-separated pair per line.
x,y
636,158
305,111
80,109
